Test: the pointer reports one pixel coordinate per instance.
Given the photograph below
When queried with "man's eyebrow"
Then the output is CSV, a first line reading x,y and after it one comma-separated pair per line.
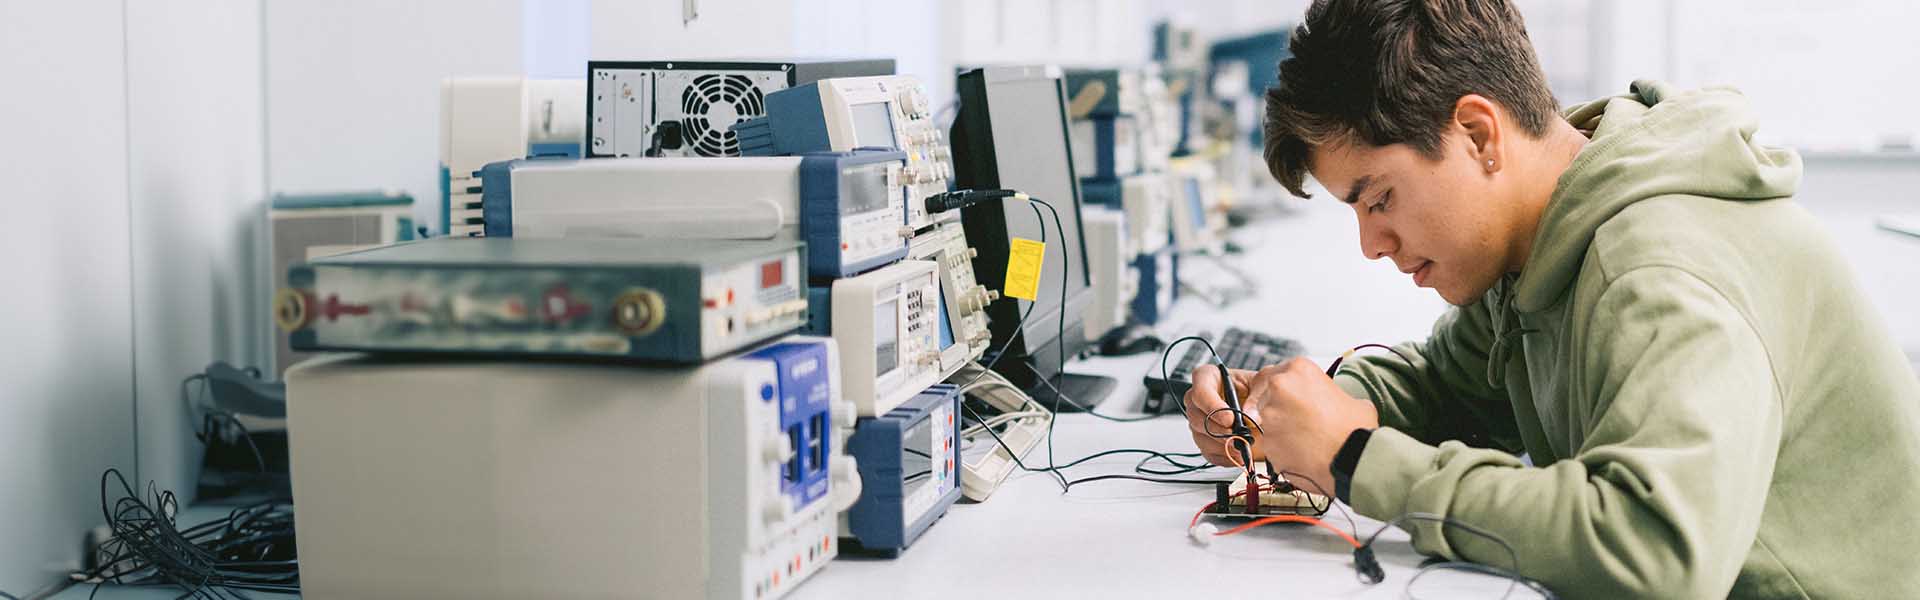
x,y
1359,187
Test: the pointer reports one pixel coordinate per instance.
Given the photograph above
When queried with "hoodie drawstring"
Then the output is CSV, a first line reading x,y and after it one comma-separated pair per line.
x,y
1506,332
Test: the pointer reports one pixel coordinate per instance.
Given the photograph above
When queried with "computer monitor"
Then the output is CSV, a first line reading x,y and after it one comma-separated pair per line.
x,y
1012,133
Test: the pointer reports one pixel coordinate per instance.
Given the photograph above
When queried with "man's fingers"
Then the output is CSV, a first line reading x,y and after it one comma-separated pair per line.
x,y
1205,396
1218,459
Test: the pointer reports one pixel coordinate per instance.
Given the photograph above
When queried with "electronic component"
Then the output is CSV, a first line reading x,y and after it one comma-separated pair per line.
x,y
1158,285
308,226
1112,145
963,301
1159,120
666,300
1145,199
859,112
1110,255
1125,123
1248,61
1238,348
1279,497
1179,44
886,323
1181,50
490,119
532,479
847,206
1011,133
657,108
909,464
1198,222
1020,426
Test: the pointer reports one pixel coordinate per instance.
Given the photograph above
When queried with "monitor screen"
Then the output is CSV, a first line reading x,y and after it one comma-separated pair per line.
x,y
1196,207
886,337
863,188
946,327
872,125
1026,119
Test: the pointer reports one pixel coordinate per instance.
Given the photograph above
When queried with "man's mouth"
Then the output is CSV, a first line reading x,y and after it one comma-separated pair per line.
x,y
1420,272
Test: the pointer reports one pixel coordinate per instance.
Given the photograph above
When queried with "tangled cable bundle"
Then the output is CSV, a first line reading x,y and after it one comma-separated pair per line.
x,y
251,548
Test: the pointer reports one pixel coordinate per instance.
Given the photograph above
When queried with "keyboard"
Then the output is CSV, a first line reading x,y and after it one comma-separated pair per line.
x,y
1240,348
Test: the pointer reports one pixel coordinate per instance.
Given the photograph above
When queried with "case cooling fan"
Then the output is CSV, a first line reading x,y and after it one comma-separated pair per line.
x,y
711,105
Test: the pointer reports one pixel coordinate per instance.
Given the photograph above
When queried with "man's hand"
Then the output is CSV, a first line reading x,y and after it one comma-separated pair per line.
x,y
1306,417
1206,412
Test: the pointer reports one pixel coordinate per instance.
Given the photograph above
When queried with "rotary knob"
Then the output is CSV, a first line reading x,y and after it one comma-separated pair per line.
x,y
777,451
776,510
639,311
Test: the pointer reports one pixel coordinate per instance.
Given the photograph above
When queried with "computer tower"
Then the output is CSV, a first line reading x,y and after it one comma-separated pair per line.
x,y
667,107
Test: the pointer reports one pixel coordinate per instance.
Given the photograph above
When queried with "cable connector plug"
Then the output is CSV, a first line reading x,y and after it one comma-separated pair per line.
x,y
1203,534
1368,566
945,201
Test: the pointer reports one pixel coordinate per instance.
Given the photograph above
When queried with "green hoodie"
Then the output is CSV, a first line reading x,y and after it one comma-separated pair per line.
x,y
1712,406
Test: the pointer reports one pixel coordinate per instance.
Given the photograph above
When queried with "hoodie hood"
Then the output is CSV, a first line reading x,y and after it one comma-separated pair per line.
x,y
1654,141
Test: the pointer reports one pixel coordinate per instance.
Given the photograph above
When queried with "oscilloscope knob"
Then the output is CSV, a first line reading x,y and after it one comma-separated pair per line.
x,y
776,510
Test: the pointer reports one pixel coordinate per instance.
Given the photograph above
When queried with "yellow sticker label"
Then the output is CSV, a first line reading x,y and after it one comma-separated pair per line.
x,y
1024,258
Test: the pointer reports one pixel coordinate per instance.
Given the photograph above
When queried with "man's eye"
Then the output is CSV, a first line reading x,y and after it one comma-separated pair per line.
x,y
1381,206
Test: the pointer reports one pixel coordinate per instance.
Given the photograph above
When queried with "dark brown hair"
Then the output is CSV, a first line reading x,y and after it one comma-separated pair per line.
x,y
1385,72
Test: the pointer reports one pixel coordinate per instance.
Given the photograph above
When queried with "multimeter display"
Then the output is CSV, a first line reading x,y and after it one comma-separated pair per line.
x,y
886,342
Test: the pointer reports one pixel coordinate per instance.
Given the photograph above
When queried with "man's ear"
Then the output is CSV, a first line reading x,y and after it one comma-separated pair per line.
x,y
1479,118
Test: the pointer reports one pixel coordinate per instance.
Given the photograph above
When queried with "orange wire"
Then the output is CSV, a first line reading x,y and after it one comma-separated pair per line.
x,y
1289,519
1226,446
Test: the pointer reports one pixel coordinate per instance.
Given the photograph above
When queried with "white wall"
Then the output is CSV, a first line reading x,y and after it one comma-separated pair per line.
x,y
1064,32
1847,194
353,88
656,30
65,386
1832,75
907,32
194,129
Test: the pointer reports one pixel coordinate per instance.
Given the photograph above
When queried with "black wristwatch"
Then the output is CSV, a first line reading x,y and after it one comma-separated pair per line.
x,y
1346,461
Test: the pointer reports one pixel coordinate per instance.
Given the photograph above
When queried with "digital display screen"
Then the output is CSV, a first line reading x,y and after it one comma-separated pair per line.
x,y
1197,211
863,189
886,337
916,458
772,273
946,327
872,125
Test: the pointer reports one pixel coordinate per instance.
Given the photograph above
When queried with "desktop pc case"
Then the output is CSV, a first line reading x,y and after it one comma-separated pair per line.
x,y
1036,349
492,478
630,103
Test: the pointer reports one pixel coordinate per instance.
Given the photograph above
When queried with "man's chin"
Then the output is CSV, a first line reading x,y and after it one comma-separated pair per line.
x,y
1460,297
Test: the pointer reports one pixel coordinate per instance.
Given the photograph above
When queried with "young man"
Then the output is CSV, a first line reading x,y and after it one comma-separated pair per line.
x,y
1708,404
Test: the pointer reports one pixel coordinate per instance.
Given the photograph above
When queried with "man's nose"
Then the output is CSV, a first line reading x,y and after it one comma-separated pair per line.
x,y
1377,242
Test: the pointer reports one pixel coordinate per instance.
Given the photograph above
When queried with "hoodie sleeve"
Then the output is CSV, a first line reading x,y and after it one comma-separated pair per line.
x,y
1663,497
1440,390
